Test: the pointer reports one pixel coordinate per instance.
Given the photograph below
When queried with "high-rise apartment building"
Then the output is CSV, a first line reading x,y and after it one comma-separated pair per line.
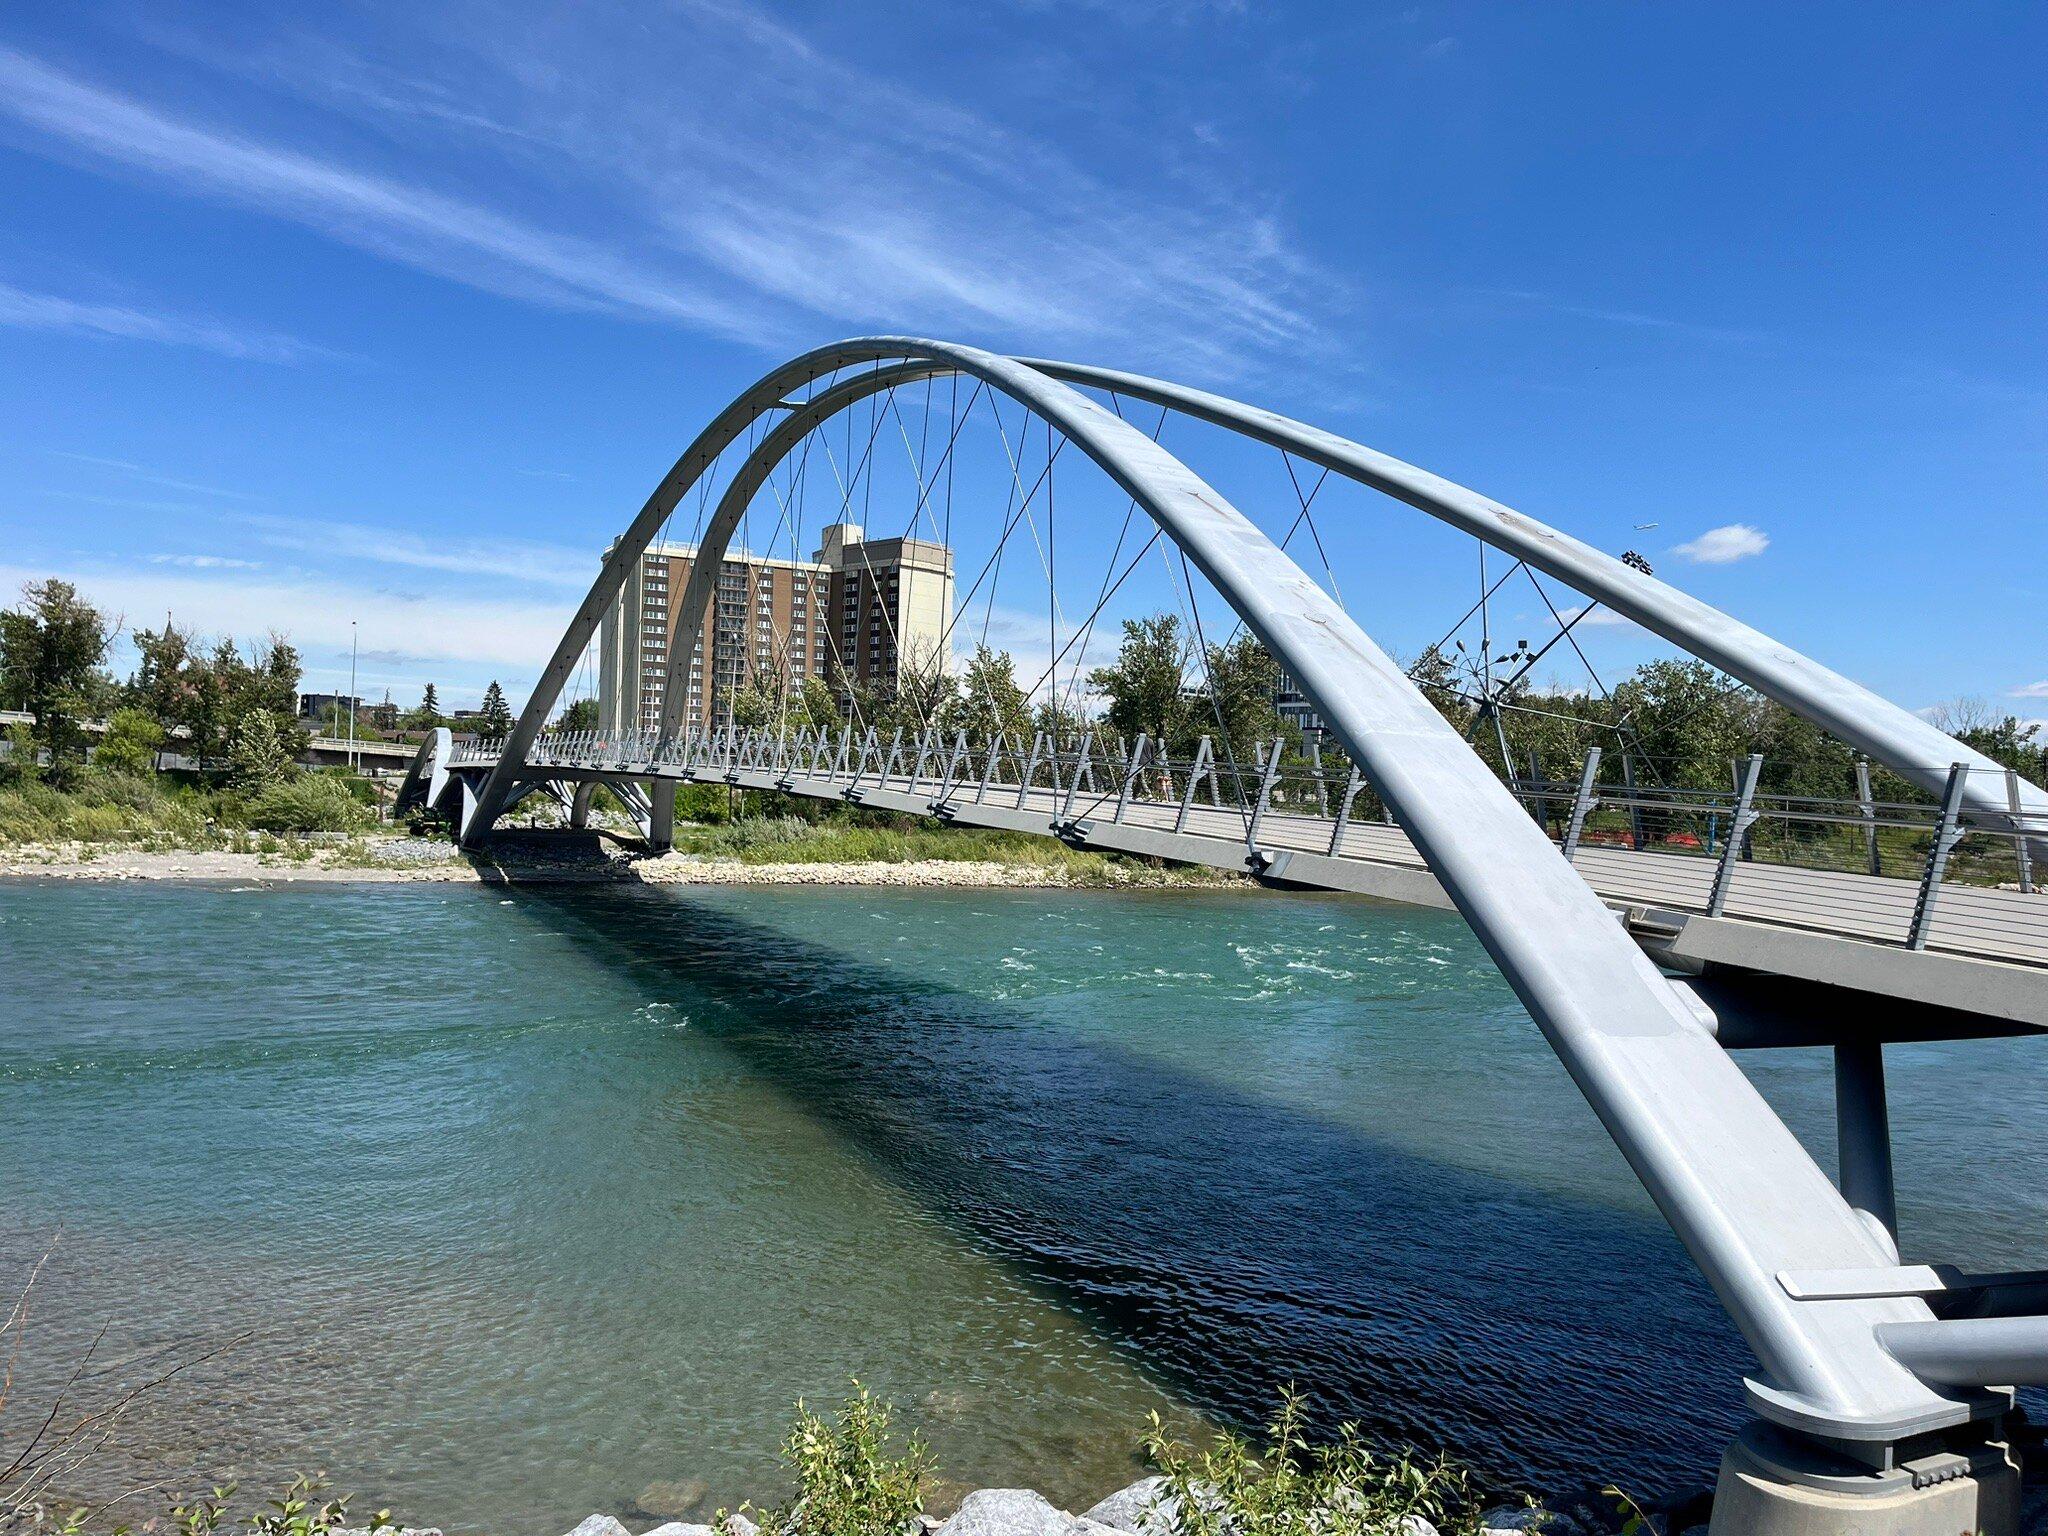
x,y
866,610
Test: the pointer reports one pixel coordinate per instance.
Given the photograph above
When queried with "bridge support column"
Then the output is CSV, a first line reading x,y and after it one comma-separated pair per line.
x,y
579,804
661,813
1776,1484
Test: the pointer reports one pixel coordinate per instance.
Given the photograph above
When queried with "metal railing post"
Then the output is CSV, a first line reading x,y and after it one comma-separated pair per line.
x,y
1031,768
895,758
988,767
1132,769
1268,775
1947,833
953,765
1738,828
1635,811
1315,761
1583,804
924,751
1195,771
1074,784
1343,824
2021,852
1866,805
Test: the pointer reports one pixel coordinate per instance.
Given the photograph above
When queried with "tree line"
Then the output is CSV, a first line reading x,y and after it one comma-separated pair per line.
x,y
1674,723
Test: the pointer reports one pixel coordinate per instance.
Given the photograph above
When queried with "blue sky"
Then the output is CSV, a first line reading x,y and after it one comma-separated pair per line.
x,y
396,312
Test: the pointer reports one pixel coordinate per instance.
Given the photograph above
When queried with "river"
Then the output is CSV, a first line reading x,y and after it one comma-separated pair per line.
x,y
515,1200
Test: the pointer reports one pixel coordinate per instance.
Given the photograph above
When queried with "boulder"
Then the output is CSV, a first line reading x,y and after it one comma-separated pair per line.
x,y
1138,1510
671,1499
677,1528
737,1524
1007,1512
600,1525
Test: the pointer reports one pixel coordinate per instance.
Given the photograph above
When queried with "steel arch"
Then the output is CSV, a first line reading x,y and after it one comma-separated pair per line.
x,y
1908,745
1741,1192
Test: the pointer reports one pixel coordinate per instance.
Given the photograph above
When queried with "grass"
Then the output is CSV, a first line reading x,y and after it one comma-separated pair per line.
x,y
794,840
159,813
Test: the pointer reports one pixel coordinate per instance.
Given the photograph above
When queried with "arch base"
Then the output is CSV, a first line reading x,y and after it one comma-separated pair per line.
x,y
1773,1483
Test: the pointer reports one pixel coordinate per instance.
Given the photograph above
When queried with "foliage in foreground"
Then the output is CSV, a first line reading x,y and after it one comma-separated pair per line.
x,y
1292,1487
849,1479
50,1447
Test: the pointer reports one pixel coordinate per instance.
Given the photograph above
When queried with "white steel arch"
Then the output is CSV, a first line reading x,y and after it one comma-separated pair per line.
x,y
1746,1199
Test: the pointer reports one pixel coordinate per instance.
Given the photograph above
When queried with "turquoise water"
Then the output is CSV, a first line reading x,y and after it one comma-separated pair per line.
x,y
520,1200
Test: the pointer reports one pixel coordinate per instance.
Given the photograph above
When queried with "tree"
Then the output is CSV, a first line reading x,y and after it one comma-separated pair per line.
x,y
1685,722
51,648
1147,685
989,699
258,754
1244,682
579,716
163,685
495,719
131,742
428,715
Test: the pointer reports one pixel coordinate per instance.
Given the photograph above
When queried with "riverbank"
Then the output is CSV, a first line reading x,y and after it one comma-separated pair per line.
x,y
1148,1508
574,860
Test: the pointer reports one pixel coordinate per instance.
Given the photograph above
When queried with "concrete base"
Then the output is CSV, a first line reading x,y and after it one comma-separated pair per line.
x,y
1774,1485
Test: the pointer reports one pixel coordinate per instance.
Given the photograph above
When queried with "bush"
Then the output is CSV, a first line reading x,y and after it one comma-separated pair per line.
x,y
19,763
1293,1488
99,807
848,1481
130,744
311,802
754,832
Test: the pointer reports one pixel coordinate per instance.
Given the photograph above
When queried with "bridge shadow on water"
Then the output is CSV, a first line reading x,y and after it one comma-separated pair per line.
x,y
1230,1245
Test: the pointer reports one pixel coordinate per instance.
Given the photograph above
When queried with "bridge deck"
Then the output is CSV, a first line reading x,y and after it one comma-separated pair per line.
x,y
2004,931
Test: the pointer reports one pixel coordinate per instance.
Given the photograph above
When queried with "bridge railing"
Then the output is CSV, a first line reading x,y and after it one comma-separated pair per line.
x,y
1236,791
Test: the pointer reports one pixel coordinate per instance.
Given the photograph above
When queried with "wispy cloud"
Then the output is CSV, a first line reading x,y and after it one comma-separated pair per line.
x,y
2032,690
28,311
1725,545
1630,319
716,169
150,476
553,565
406,222
207,562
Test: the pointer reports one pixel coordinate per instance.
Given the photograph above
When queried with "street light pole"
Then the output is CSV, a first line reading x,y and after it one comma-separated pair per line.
x,y
352,695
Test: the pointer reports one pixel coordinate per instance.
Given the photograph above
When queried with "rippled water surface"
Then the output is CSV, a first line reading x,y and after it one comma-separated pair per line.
x,y
526,1199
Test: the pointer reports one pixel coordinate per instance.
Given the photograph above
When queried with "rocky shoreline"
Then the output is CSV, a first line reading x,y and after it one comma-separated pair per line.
x,y
427,861
1148,1508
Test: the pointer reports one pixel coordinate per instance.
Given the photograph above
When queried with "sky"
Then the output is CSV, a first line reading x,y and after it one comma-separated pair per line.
x,y
394,314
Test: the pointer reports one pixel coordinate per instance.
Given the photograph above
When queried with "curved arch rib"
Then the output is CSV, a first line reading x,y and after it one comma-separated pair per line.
x,y
1895,737
1737,1187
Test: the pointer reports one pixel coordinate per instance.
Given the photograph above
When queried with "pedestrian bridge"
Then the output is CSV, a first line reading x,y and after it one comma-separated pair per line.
x,y
1642,954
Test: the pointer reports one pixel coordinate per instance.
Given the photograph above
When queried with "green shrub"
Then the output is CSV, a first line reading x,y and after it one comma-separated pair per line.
x,y
19,764
849,1481
1295,1488
312,802
754,832
98,807
130,744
